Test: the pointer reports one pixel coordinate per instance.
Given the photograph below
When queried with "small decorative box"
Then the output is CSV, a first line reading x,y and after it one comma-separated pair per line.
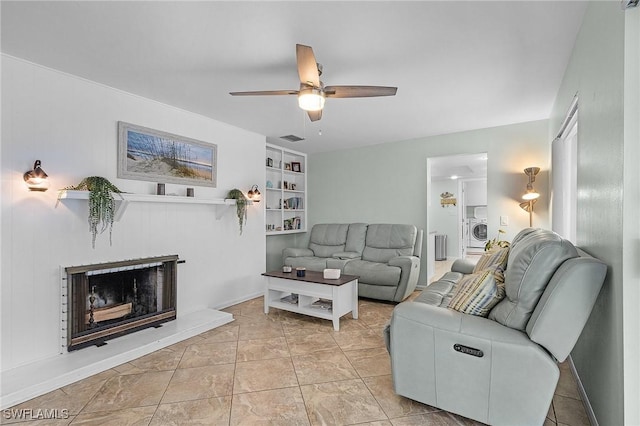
x,y
331,274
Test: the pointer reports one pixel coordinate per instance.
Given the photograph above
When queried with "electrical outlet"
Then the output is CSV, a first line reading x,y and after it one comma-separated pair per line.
x,y
504,220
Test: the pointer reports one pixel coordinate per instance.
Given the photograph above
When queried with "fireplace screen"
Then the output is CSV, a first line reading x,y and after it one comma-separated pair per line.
x,y
111,299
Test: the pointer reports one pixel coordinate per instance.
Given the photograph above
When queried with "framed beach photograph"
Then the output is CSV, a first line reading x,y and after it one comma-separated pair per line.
x,y
295,166
152,155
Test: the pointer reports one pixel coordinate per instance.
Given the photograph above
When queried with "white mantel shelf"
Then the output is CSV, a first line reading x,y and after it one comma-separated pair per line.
x,y
221,205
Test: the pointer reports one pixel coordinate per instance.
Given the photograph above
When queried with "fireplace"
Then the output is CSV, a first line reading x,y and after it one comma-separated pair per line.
x,y
107,300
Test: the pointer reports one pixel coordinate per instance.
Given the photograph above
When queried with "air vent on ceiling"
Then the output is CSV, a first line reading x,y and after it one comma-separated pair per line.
x,y
292,138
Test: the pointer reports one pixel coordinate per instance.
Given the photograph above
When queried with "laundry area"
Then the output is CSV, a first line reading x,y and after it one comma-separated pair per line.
x,y
475,211
457,213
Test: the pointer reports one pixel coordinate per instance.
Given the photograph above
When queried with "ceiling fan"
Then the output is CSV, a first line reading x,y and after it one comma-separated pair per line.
x,y
313,92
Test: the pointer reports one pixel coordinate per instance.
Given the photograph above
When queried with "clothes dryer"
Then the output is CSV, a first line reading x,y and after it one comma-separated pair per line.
x,y
477,233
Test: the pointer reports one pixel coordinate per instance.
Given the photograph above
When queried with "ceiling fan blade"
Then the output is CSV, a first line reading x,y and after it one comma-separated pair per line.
x,y
358,91
307,65
265,92
315,115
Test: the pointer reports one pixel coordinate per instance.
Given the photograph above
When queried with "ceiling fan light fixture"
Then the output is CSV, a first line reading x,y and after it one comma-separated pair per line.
x,y
311,99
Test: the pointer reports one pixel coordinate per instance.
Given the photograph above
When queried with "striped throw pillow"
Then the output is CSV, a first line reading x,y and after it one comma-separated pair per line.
x,y
492,259
478,293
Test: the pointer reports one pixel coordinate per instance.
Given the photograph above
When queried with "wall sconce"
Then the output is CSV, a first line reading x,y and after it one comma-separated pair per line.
x,y
36,179
531,195
254,194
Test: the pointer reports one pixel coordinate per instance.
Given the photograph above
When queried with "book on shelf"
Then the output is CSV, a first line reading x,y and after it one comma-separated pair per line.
x,y
291,298
323,304
294,203
293,223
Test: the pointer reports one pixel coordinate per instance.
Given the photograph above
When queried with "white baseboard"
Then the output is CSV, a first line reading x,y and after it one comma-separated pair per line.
x,y
239,300
29,381
583,395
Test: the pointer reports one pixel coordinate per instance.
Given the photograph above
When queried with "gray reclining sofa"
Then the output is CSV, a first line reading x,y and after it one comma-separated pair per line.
x,y
500,370
386,257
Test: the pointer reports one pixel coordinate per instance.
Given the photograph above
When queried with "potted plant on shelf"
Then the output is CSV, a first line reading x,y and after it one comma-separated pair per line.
x,y
241,206
102,204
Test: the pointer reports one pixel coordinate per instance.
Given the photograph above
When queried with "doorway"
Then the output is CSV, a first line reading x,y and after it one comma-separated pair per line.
x,y
457,208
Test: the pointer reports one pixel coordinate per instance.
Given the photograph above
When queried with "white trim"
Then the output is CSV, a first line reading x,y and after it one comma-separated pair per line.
x,y
583,394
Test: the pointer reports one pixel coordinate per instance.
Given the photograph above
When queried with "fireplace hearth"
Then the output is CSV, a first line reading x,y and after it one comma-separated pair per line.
x,y
107,300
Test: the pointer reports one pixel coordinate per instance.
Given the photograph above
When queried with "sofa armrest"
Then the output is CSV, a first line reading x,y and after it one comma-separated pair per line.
x,y
511,382
347,255
409,273
296,252
464,266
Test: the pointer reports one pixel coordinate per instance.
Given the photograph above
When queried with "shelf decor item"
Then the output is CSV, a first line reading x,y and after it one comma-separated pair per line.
x,y
102,204
241,206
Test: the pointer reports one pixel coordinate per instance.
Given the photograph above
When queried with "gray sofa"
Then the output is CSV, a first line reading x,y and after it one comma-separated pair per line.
x,y
501,369
386,257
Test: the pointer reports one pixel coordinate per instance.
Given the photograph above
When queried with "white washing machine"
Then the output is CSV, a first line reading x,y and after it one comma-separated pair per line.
x,y
477,232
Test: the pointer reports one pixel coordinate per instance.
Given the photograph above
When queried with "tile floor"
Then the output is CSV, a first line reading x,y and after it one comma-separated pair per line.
x,y
280,369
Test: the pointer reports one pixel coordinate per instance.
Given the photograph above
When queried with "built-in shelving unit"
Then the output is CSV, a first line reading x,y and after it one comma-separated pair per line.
x,y
285,191
221,205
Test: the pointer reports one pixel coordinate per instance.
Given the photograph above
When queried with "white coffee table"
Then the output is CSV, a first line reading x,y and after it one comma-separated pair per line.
x,y
342,292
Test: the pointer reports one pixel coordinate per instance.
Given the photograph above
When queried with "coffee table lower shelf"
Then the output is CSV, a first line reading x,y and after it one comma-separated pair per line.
x,y
343,295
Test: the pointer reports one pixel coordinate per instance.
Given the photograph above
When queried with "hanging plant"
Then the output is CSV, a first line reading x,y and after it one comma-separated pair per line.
x,y
241,206
102,205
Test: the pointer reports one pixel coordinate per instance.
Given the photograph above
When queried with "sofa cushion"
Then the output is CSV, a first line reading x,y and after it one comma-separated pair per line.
x,y
356,236
385,241
478,293
492,259
328,238
440,292
532,261
373,272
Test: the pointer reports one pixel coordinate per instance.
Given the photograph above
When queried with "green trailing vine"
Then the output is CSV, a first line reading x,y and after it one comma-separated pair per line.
x,y
102,205
241,206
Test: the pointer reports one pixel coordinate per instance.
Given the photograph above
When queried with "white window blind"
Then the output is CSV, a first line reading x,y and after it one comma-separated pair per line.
x,y
564,168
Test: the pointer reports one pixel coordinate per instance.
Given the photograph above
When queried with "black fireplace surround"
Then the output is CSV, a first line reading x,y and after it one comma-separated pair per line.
x,y
107,300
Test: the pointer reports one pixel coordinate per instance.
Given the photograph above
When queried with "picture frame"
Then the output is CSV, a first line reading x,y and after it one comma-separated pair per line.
x,y
156,156
287,166
295,166
269,162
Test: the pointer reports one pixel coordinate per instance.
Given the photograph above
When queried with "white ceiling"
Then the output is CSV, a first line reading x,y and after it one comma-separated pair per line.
x,y
457,65
466,166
